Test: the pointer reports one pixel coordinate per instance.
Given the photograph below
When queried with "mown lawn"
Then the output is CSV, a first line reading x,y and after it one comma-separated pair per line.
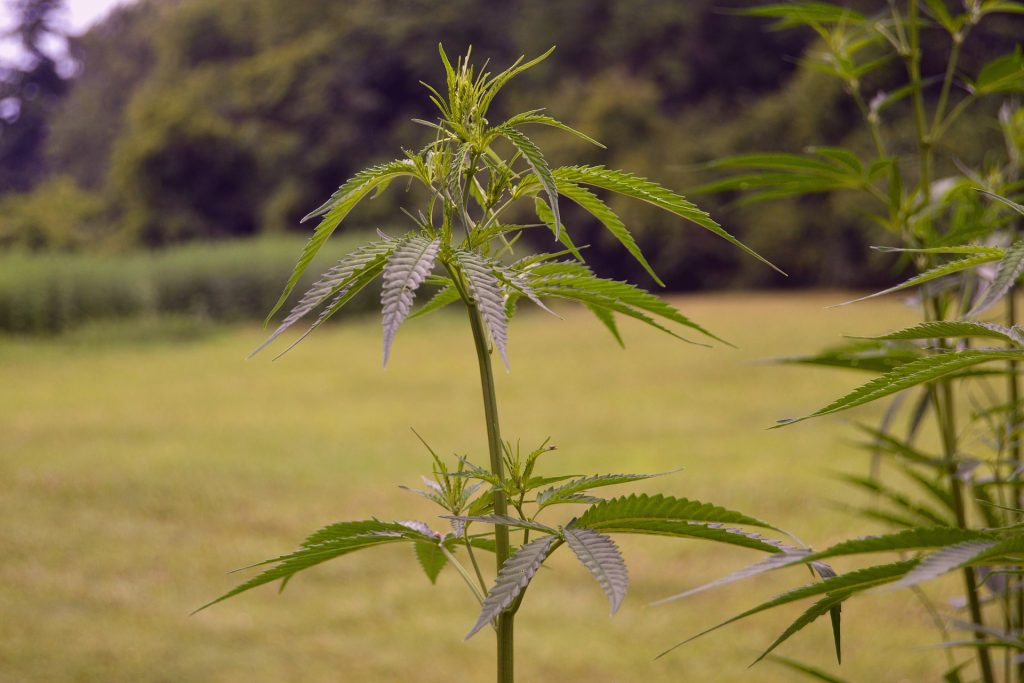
x,y
135,473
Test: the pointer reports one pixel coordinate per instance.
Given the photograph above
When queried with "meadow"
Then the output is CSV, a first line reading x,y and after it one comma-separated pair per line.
x,y
137,468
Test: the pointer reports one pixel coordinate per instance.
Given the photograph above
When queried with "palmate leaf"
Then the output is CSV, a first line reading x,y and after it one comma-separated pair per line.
x,y
973,261
912,374
830,604
336,208
326,544
337,280
557,494
1010,268
538,165
601,211
487,297
645,190
602,558
910,540
514,577
938,329
843,585
544,213
407,266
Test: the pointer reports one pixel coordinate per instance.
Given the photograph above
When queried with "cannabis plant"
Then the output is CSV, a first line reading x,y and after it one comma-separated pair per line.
x,y
957,371
473,175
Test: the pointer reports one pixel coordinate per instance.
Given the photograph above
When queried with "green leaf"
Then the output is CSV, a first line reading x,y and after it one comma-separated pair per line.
x,y
679,517
938,329
533,117
829,604
1010,268
487,297
944,560
909,540
504,520
599,210
544,213
431,558
337,280
336,208
444,296
1002,75
602,558
513,578
326,544
607,319
870,356
647,191
555,494
538,165
407,266
922,513
1010,203
843,584
807,669
939,271
912,374
790,14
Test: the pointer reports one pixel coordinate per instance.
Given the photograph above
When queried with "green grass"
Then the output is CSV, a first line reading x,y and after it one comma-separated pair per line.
x,y
133,475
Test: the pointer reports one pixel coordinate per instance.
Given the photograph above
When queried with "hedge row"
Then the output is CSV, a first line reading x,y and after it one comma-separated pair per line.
x,y
224,281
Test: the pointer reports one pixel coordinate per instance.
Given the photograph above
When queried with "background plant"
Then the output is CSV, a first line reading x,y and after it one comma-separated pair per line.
x,y
955,498
467,187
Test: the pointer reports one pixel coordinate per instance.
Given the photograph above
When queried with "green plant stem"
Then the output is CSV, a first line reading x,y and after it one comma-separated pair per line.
x,y
1012,426
506,643
942,398
464,573
913,61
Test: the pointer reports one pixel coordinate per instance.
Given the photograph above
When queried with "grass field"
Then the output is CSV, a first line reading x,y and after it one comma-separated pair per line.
x,y
134,472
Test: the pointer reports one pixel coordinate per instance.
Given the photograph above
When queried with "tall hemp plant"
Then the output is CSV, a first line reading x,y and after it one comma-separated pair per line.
x,y
947,473
462,244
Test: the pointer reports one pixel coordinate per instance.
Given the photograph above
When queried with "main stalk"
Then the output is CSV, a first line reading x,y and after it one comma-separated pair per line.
x,y
506,643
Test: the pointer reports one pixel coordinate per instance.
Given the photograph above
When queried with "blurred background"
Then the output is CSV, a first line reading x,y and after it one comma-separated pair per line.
x,y
155,158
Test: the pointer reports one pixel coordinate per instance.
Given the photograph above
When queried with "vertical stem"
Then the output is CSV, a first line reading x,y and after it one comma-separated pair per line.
x,y
1013,424
944,409
924,141
506,644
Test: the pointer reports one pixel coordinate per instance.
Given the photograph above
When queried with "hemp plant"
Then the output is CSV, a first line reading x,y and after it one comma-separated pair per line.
x,y
957,372
462,244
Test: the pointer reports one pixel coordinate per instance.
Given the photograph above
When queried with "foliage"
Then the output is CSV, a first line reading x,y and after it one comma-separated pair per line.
x,y
958,510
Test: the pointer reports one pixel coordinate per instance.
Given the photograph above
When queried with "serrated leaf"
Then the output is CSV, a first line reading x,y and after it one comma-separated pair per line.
x,y
603,213
554,494
504,520
407,266
335,281
942,561
937,329
607,319
652,193
513,578
909,375
538,165
326,544
336,208
950,268
445,296
812,672
829,604
544,213
533,117
859,355
487,297
846,584
431,558
602,558
922,513
909,540
1010,268
772,562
